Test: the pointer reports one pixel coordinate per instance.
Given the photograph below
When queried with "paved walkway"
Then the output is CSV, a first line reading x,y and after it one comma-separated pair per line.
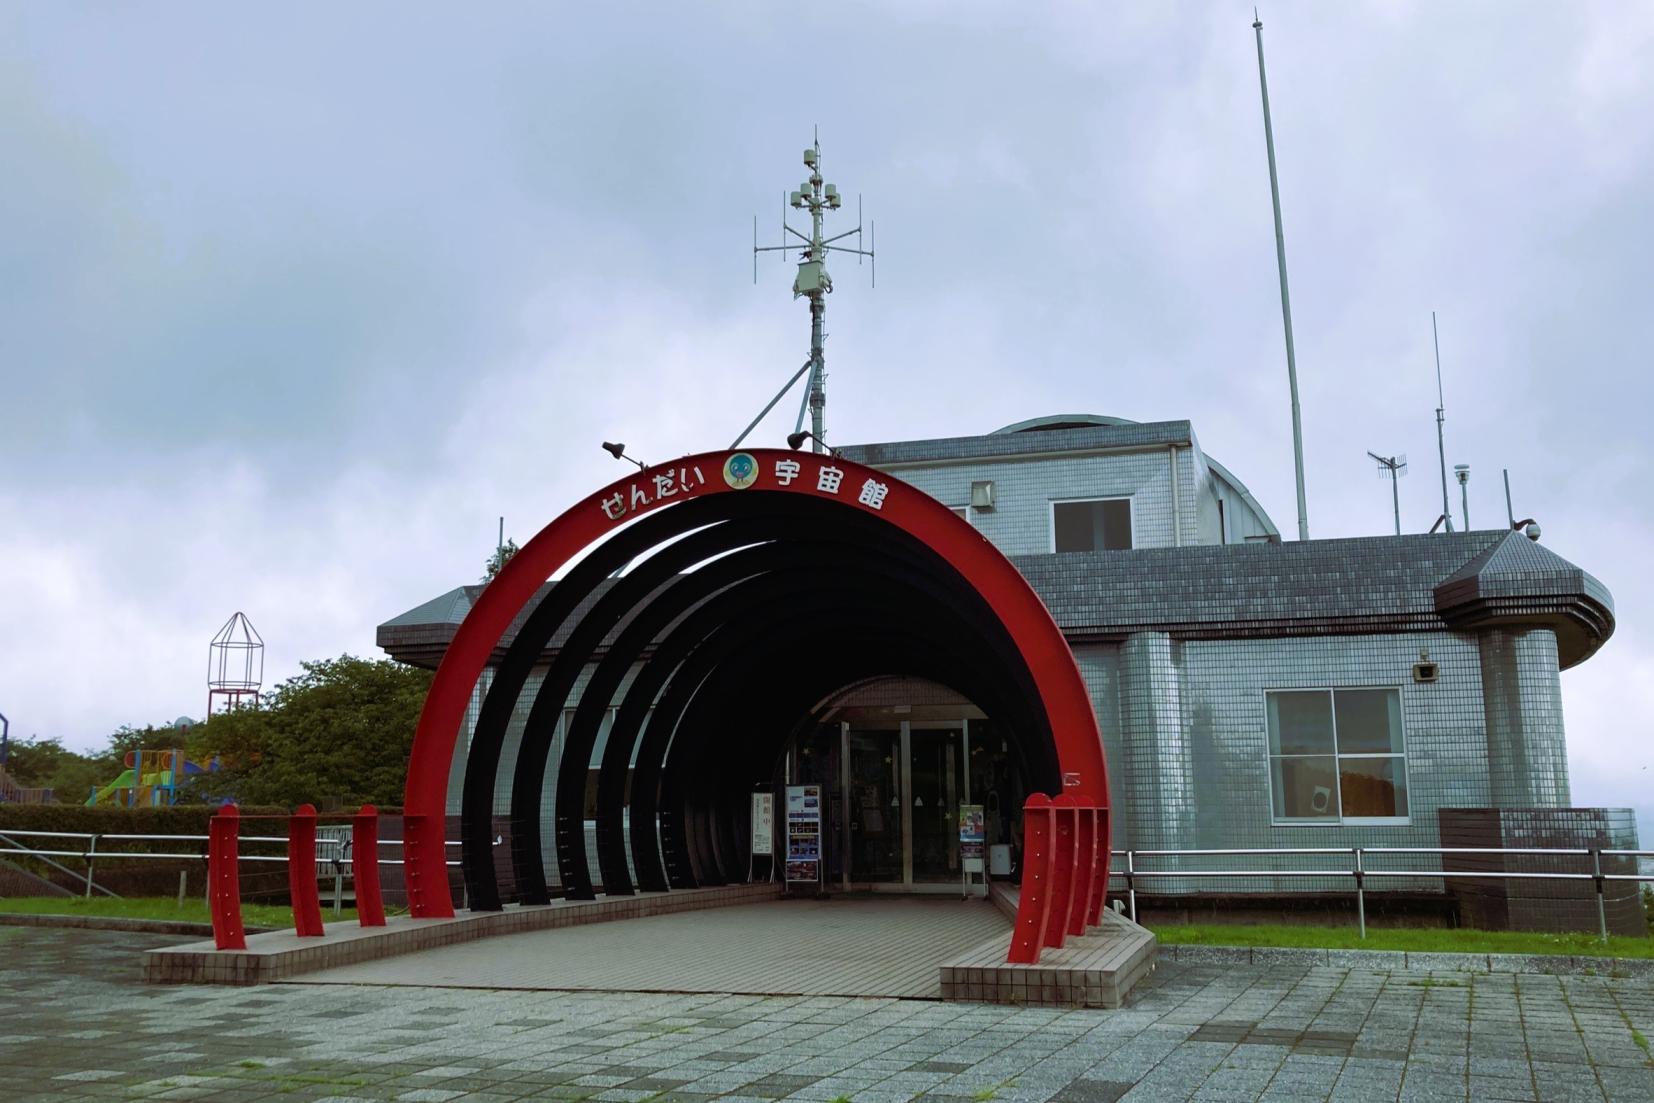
x,y
879,946
75,1024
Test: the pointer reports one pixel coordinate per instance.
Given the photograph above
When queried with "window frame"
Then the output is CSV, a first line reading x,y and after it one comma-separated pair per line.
x,y
967,511
1339,820
1131,516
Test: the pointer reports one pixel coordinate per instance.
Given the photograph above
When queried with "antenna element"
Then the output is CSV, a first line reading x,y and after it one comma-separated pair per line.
x,y
812,282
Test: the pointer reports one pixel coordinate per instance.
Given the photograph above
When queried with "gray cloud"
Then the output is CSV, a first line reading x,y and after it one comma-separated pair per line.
x,y
298,304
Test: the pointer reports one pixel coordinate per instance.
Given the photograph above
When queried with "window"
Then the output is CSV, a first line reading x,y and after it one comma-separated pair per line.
x,y
1336,755
963,511
1101,524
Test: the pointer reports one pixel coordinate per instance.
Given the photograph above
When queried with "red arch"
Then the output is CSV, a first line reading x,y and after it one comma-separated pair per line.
x,y
1026,619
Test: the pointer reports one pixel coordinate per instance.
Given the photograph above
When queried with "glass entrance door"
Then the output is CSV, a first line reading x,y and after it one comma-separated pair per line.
x,y
874,805
937,788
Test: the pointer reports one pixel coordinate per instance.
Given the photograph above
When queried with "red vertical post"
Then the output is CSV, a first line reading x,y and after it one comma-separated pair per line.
x,y
301,871
1062,875
1027,934
425,865
1105,840
364,866
1085,837
223,887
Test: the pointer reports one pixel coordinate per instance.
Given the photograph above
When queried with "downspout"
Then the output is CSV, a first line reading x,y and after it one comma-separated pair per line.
x,y
1177,512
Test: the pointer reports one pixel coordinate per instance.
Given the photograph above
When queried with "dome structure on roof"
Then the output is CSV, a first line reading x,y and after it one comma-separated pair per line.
x,y
1055,422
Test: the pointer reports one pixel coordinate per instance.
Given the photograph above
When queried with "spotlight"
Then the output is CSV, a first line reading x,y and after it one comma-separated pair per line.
x,y
618,451
795,441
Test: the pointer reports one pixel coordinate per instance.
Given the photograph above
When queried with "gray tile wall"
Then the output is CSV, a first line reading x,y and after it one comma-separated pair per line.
x,y
1522,693
1020,522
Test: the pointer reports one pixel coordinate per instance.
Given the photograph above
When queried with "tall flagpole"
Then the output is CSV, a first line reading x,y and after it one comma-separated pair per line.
x,y
1286,300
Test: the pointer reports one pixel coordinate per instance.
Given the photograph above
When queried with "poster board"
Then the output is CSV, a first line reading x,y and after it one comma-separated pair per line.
x,y
804,834
972,836
763,825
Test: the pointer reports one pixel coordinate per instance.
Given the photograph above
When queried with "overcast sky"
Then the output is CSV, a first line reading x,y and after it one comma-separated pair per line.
x,y
297,303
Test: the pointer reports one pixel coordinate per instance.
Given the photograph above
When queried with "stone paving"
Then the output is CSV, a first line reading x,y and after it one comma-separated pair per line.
x,y
75,1023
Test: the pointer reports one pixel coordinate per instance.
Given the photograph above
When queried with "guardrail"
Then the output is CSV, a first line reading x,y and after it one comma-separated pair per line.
x,y
333,855
1360,871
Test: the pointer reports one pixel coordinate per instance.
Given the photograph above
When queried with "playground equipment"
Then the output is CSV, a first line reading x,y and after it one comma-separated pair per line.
x,y
235,664
151,780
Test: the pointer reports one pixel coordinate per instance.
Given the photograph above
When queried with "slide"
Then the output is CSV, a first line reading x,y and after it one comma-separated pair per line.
x,y
150,780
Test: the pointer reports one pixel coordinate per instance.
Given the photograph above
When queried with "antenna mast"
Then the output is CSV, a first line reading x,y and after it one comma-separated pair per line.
x,y
1395,467
813,283
1286,300
1441,416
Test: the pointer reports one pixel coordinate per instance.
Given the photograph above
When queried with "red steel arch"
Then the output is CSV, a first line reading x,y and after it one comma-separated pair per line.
x,y
1062,690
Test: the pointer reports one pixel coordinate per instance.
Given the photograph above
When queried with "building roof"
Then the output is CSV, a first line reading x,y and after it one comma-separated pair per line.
x,y
1361,585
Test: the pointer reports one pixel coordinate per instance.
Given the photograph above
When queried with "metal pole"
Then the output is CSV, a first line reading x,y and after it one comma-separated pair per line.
x,y
1464,502
808,364
1510,517
5,741
1360,893
91,862
1441,416
1131,886
339,890
183,886
1286,300
1602,908
1395,499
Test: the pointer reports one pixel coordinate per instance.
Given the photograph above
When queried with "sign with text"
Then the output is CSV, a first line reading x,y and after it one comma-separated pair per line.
x,y
804,833
763,824
972,836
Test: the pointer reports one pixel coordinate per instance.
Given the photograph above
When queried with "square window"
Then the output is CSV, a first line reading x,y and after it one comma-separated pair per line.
x,y
1373,787
1369,721
1306,788
1336,755
1300,723
1099,525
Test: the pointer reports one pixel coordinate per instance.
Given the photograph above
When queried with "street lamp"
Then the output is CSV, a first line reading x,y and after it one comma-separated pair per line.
x,y
618,451
795,441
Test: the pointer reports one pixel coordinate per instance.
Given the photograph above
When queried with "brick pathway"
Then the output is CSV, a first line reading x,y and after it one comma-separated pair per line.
x,y
882,946
75,1024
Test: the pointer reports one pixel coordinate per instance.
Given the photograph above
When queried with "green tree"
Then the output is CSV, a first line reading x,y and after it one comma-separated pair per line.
x,y
340,731
502,555
47,763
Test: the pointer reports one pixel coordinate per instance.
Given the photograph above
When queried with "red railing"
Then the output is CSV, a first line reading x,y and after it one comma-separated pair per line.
x,y
1065,849
223,834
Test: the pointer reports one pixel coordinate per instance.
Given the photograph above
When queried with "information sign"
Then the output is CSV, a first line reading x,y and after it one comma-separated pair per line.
x,y
804,833
972,836
763,824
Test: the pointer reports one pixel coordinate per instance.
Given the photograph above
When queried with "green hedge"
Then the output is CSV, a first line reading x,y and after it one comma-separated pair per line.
x,y
184,819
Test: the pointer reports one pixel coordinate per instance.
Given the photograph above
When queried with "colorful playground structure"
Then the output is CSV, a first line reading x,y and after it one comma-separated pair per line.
x,y
151,780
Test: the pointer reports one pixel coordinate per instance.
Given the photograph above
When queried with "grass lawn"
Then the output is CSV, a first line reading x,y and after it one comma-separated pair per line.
x,y
158,907
1420,940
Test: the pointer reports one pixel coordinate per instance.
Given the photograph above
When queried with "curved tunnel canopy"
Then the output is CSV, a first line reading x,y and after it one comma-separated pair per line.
x,y
775,579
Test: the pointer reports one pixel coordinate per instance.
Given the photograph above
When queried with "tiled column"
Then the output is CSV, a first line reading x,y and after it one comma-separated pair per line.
x,y
1522,695
1158,767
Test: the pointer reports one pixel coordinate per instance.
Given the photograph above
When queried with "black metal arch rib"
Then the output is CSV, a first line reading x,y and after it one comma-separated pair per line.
x,y
705,645
708,774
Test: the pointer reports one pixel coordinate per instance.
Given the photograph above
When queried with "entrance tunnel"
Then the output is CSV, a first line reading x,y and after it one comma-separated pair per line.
x,y
691,654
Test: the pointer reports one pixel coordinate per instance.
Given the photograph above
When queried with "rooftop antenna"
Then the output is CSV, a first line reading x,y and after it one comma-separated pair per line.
x,y
1286,300
1441,416
1510,516
812,282
1395,467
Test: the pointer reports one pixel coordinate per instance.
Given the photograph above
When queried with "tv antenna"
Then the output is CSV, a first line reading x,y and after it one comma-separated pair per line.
x,y
1395,467
1441,417
812,282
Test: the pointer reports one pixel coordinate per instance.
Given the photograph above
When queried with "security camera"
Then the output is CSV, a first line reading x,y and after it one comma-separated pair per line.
x,y
1532,531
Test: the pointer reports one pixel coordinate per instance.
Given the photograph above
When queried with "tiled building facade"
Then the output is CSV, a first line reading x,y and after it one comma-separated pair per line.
x,y
1250,692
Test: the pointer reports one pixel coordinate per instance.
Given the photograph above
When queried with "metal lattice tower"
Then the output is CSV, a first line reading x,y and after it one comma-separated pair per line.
x,y
235,664
812,282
